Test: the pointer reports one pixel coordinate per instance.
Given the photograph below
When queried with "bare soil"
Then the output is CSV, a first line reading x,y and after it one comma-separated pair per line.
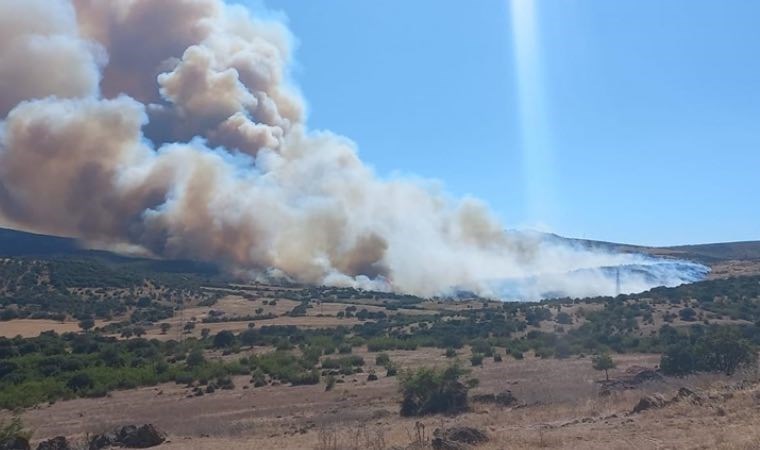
x,y
559,407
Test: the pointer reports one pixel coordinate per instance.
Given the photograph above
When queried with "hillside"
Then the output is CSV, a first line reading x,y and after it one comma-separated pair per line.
x,y
296,366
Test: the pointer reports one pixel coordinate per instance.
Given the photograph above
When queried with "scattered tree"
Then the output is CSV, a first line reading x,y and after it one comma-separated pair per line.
x,y
603,362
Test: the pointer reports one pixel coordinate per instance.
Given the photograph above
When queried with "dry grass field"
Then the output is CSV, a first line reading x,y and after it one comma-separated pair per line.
x,y
559,406
33,327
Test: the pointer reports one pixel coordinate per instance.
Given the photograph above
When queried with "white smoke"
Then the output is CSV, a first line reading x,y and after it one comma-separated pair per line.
x,y
171,126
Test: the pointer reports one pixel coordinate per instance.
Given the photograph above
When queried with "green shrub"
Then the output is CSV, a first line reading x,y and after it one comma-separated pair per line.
x,y
344,349
13,429
476,359
431,391
382,359
329,383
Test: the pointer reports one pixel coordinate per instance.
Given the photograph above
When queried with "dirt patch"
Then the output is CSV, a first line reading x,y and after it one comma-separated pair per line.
x,y
31,328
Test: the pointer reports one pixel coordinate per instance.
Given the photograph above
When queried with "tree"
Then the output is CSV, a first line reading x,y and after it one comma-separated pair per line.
x,y
86,324
80,382
603,362
678,359
224,339
195,358
687,314
165,327
432,391
248,337
723,350
563,318
139,331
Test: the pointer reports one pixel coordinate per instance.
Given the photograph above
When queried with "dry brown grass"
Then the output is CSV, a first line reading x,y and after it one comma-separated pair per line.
x,y
562,410
31,327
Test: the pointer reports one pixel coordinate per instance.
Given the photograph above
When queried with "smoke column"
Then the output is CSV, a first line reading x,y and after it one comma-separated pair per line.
x,y
171,126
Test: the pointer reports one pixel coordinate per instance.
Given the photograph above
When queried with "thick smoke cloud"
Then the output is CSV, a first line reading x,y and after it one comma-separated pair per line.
x,y
171,126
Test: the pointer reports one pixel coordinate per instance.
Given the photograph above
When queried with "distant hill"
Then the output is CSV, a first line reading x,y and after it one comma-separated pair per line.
x,y
738,251
14,243
704,253
20,243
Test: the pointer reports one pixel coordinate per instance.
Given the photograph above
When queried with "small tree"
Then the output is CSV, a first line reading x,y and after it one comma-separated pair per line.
x,y
86,324
195,358
687,314
603,362
14,429
224,339
165,327
432,391
248,337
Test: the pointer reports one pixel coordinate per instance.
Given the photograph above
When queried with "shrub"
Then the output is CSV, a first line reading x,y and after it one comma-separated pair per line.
x,y
248,337
311,377
258,378
720,350
224,339
382,359
497,357
183,378
482,347
431,391
476,359
451,353
225,382
329,383
14,429
344,349
563,318
195,358
80,382
687,314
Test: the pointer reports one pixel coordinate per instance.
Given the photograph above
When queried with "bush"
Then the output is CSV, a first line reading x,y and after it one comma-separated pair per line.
x,y
720,350
259,378
14,429
80,382
225,382
329,383
382,359
344,349
687,314
451,353
431,391
195,358
311,377
476,359
497,357
224,339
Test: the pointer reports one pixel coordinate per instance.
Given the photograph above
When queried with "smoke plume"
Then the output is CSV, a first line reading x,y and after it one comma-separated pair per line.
x,y
172,126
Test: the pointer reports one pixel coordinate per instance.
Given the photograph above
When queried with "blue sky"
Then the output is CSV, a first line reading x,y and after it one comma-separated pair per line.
x,y
643,120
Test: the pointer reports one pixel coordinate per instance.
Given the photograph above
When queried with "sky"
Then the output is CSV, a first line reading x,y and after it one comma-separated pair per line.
x,y
634,121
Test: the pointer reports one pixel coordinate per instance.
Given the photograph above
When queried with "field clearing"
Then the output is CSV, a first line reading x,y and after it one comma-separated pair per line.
x,y
562,409
32,327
